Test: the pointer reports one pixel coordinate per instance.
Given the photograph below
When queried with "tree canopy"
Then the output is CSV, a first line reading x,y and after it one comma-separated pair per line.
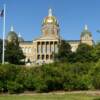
x,y
13,53
96,52
64,51
83,53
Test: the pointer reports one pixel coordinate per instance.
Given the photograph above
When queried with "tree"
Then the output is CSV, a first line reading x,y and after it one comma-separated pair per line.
x,y
64,51
0,50
13,53
96,52
83,53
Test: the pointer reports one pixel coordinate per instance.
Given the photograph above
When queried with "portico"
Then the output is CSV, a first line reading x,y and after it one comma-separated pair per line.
x,y
46,49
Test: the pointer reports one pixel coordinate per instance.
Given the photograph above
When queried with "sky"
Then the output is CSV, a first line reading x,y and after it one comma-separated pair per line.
x,y
27,15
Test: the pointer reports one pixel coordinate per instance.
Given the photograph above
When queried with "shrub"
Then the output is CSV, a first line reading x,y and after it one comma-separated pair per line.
x,y
50,77
1,86
96,99
96,76
40,86
26,77
14,87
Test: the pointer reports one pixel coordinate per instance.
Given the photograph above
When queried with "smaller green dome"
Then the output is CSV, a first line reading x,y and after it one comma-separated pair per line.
x,y
12,36
86,32
20,39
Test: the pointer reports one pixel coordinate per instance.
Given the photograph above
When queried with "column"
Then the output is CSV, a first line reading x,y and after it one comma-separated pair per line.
x,y
45,50
56,47
47,47
40,50
37,50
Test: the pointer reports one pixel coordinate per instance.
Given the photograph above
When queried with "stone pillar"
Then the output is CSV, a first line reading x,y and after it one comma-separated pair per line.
x,y
41,47
40,50
45,51
50,47
46,47
56,48
37,50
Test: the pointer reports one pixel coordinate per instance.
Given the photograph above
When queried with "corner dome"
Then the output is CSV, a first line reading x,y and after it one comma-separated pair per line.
x,y
50,19
20,39
12,36
86,32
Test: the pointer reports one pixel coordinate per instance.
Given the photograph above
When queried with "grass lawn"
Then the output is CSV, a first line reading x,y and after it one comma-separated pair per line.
x,y
80,96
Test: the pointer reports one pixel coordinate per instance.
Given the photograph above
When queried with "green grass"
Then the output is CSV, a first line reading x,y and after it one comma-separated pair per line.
x,y
49,97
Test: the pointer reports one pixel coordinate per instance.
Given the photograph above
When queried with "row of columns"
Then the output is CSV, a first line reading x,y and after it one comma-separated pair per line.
x,y
45,49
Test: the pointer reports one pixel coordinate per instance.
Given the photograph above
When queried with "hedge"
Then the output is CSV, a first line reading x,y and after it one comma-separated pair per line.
x,y
50,77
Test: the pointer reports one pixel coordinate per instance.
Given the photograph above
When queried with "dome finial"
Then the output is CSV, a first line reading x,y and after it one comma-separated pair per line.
x,y
12,28
86,27
50,12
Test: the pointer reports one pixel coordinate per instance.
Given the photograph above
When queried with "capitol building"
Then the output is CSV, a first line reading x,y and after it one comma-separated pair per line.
x,y
41,50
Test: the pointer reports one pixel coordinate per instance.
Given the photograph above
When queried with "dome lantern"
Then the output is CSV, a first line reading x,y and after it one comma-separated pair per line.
x,y
86,27
12,29
50,12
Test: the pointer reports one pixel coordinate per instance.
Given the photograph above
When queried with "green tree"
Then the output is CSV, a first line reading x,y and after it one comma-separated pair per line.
x,y
14,87
64,51
96,76
83,53
13,53
96,52
0,50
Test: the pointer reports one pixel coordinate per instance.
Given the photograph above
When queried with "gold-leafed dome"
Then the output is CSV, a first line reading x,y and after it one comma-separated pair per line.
x,y
50,19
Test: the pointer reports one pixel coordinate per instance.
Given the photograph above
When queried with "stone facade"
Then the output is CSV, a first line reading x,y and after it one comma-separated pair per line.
x,y
41,50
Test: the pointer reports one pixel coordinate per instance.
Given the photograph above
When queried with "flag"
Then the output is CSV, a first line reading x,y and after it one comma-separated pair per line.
x,y
2,13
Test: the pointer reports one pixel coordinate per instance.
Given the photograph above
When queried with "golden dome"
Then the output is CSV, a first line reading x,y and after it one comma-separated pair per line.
x,y
50,19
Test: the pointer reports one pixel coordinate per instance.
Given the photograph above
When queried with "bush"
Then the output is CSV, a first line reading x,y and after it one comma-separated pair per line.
x,y
1,86
40,86
50,77
26,77
14,87
96,76
53,77
8,73
96,99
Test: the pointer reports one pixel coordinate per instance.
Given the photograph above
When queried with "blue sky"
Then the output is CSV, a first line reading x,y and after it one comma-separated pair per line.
x,y
27,15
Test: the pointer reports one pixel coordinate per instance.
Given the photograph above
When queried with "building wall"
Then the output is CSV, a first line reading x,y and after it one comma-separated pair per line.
x,y
74,46
41,50
28,50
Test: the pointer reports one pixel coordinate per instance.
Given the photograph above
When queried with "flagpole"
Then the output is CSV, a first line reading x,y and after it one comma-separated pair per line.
x,y
3,49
